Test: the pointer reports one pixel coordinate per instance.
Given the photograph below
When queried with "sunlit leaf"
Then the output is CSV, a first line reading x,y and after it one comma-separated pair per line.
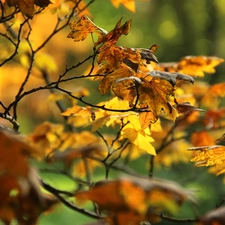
x,y
210,156
134,133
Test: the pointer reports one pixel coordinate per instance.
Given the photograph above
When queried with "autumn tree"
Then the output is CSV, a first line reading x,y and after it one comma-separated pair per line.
x,y
101,117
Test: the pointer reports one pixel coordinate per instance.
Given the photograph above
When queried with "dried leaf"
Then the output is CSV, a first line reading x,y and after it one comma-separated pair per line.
x,y
186,108
112,37
82,27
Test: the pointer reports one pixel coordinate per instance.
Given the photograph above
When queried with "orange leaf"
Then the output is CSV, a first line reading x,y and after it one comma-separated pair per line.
x,y
12,150
139,195
213,118
192,65
201,138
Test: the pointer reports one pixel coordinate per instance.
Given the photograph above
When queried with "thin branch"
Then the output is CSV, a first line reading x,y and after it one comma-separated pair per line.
x,y
178,220
15,124
70,205
221,203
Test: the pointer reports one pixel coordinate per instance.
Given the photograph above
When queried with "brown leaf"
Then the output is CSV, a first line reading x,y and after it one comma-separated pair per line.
x,y
112,37
25,6
186,108
42,3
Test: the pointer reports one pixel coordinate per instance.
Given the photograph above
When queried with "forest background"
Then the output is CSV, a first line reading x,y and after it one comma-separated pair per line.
x,y
179,28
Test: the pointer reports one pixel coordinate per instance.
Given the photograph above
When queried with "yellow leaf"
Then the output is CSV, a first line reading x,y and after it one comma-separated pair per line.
x,y
96,124
129,4
210,156
77,110
138,138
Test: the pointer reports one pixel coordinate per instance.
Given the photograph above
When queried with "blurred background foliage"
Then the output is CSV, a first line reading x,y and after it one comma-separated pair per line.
x,y
180,28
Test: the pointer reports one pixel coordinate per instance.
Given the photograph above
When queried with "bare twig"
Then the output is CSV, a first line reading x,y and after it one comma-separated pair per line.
x,y
57,193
